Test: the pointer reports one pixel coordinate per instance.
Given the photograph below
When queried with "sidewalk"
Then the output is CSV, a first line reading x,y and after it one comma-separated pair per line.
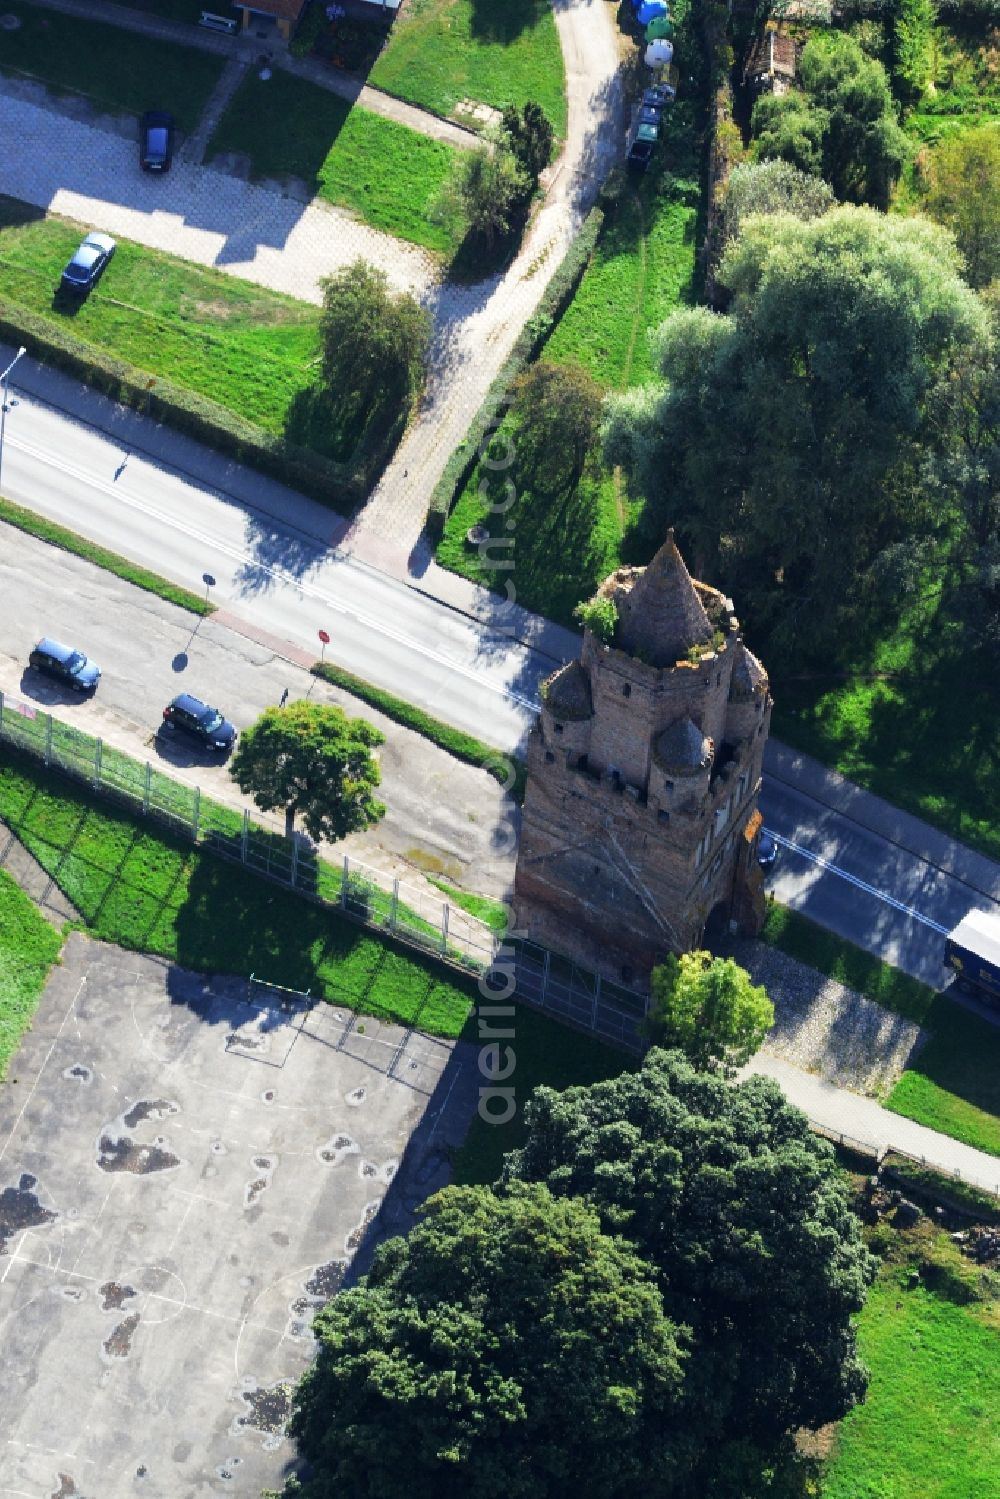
x,y
840,1112
247,49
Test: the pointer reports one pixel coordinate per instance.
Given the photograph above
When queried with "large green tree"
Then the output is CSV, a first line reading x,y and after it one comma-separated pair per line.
x,y
374,344
506,1349
557,409
487,192
710,1009
776,186
841,125
311,760
788,443
962,174
745,1218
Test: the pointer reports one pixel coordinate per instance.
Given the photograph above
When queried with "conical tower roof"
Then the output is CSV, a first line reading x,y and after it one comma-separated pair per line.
x,y
661,616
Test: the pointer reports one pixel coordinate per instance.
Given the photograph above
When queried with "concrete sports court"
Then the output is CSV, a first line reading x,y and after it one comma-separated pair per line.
x,y
186,1171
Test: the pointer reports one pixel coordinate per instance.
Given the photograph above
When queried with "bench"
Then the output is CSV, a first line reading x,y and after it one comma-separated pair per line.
x,y
219,23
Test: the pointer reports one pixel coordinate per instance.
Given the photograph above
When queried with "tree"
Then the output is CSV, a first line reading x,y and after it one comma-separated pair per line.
x,y
487,191
789,128
864,149
913,45
842,125
558,412
374,343
505,1349
771,187
531,138
745,1218
709,1009
962,174
788,443
310,758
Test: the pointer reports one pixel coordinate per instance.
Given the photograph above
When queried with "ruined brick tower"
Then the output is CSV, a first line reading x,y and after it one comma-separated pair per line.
x,y
644,766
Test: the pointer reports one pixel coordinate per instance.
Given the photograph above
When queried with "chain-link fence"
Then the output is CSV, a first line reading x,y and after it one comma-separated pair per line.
x,y
411,914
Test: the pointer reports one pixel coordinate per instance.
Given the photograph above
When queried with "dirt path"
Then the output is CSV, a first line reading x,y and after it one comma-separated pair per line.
x,y
475,327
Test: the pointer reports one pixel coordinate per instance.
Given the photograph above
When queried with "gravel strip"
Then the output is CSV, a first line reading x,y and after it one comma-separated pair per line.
x,y
828,1029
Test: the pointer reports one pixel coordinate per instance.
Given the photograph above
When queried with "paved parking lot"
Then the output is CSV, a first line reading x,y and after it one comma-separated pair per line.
x,y
186,1172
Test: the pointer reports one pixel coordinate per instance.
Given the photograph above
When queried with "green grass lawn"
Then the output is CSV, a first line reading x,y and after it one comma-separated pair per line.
x,y
386,174
492,912
253,351
546,1053
966,86
496,52
119,70
143,890
929,1428
917,726
28,948
954,1082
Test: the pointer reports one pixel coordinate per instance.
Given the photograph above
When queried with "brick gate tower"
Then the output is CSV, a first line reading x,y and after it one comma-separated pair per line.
x,y
640,817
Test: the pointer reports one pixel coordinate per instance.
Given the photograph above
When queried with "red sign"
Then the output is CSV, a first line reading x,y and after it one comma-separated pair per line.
x,y
324,637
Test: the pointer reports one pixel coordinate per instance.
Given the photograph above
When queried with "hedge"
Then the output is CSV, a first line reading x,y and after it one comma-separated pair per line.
x,y
463,746
341,485
536,330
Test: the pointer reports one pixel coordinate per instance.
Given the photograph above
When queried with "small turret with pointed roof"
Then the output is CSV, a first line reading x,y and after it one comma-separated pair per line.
x,y
660,615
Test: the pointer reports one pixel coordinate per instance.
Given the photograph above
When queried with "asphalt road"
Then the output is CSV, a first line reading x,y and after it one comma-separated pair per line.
x,y
269,551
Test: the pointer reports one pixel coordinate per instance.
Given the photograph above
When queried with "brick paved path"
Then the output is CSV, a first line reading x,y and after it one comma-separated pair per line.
x,y
194,211
835,1109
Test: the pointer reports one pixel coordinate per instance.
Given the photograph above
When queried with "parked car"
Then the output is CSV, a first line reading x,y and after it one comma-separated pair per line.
x,y
157,141
88,263
767,850
205,725
71,668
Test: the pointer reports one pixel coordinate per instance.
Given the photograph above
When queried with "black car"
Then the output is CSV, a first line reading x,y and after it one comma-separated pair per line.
x,y
157,141
71,668
88,263
767,850
198,721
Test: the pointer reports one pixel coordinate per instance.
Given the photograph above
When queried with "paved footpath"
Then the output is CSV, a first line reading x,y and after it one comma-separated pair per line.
x,y
247,48
838,1111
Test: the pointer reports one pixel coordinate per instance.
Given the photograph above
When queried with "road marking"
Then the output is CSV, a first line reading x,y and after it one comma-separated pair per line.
x,y
859,884
235,554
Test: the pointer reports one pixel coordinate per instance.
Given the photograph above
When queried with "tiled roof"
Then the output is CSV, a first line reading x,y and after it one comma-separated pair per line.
x,y
683,748
661,616
567,694
748,675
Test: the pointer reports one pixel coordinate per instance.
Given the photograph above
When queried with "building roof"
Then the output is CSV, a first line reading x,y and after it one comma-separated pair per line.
x,y
748,676
282,10
771,56
660,616
683,748
567,693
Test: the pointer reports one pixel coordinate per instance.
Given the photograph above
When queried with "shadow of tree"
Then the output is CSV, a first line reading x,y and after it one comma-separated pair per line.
x,y
502,21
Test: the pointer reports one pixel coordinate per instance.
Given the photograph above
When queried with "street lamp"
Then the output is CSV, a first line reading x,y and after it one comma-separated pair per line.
x,y
3,400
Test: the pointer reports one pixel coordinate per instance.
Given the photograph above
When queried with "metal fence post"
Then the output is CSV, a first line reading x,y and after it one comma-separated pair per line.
x,y
245,836
394,907
48,739
343,882
145,790
596,1001
545,976
196,815
1,710
444,926
295,861
98,746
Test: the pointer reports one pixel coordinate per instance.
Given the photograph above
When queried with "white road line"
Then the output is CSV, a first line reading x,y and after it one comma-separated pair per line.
x,y
859,884
235,554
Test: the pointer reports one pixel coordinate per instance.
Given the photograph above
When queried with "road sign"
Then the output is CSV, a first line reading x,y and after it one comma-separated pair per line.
x,y
324,637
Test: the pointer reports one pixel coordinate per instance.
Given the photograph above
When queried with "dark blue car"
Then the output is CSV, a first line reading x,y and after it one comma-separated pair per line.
x,y
195,719
71,668
157,145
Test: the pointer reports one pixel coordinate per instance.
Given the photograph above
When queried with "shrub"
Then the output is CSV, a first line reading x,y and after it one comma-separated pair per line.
x,y
600,616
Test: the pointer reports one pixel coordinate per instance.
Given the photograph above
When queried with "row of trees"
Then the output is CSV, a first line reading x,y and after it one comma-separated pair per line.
x,y
657,1292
